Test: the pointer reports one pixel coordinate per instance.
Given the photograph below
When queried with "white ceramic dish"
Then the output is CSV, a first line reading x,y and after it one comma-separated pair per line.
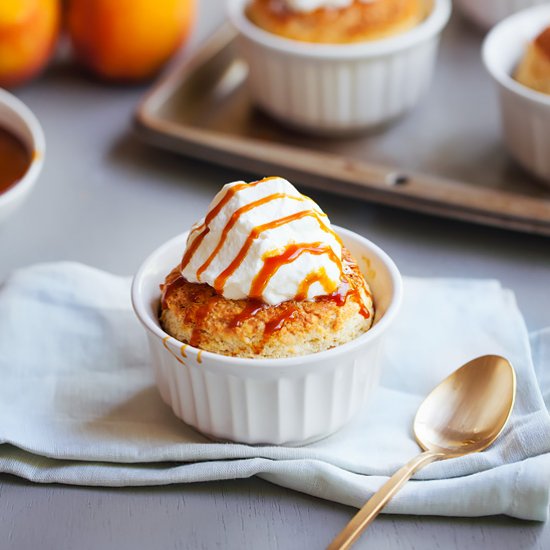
x,y
271,401
525,112
335,88
16,117
487,13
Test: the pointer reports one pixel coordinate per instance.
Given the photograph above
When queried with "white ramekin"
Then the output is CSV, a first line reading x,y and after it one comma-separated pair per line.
x,y
271,401
525,113
487,13
332,88
16,117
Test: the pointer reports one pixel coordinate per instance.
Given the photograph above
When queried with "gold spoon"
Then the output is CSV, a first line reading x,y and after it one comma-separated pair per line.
x,y
463,414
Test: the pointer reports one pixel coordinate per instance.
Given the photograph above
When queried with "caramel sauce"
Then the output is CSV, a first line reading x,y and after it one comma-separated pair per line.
x,y
200,318
165,343
235,218
182,351
292,252
199,356
339,297
277,324
345,291
251,309
220,281
15,159
319,276
204,229
355,293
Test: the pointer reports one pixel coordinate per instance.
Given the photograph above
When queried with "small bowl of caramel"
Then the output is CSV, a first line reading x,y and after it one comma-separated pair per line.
x,y
22,148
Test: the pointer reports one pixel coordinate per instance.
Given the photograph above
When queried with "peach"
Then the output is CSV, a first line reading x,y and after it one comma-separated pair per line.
x,y
127,40
28,33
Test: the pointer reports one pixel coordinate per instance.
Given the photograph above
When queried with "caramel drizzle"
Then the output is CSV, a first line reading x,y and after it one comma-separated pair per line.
x,y
355,292
291,253
319,276
220,281
235,218
200,317
250,310
348,289
277,324
182,351
204,229
165,344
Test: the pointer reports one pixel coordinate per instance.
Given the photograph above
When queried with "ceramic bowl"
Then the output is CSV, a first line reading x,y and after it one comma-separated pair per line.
x,y
339,88
525,112
17,118
487,13
267,401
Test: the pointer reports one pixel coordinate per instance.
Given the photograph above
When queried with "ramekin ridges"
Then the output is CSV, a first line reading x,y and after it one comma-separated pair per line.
x,y
525,112
268,401
335,88
487,13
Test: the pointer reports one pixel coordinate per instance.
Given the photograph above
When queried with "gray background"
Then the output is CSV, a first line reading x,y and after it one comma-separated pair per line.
x,y
106,199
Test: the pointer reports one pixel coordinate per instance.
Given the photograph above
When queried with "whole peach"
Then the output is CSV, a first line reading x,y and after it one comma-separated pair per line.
x,y
127,40
28,33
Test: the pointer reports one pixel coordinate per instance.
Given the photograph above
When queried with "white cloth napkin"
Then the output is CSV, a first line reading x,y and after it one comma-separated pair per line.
x,y
78,403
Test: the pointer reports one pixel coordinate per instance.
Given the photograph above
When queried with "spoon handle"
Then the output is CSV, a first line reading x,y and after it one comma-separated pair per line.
x,y
374,505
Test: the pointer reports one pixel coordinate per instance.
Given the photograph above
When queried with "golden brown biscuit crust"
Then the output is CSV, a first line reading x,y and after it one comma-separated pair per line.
x,y
534,68
195,314
361,21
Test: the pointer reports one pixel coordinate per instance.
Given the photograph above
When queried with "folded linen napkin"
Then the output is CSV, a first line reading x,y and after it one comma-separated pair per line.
x,y
78,403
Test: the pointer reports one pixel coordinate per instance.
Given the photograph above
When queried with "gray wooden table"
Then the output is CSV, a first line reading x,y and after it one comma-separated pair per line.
x,y
107,200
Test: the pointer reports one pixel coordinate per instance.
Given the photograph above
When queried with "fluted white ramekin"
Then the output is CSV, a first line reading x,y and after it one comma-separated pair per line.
x,y
332,88
525,112
487,13
16,117
273,401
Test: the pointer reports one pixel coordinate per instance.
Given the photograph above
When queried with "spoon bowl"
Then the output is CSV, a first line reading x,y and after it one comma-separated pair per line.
x,y
464,414
468,410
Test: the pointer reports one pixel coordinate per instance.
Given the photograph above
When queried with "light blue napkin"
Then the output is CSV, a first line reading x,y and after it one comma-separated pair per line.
x,y
78,403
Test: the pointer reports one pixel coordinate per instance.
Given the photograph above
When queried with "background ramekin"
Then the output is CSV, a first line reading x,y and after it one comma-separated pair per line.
x,y
16,117
335,88
273,401
525,113
487,13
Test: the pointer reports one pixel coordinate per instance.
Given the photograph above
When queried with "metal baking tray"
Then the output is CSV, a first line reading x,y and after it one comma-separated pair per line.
x,y
445,158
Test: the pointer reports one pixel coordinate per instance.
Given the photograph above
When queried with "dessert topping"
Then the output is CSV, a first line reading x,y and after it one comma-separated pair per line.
x,y
264,241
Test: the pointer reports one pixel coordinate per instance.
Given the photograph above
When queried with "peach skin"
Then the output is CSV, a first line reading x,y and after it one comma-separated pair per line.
x,y
128,40
28,34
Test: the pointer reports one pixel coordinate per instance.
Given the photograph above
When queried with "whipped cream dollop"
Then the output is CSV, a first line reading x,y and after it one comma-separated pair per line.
x,y
312,5
264,240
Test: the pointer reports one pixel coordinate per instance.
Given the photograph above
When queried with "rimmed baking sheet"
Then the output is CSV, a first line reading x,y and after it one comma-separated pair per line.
x,y
445,158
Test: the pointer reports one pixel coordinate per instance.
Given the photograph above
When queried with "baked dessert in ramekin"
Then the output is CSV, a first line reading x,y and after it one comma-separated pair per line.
x,y
525,112
238,394
335,88
264,275
336,21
